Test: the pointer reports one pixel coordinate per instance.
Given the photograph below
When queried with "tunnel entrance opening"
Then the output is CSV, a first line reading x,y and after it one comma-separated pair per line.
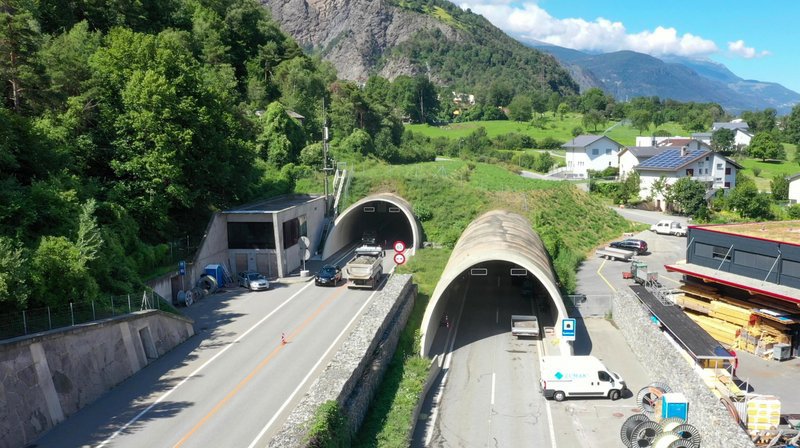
x,y
388,219
484,296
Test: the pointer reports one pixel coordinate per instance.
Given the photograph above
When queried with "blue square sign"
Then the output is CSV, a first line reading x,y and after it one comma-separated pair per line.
x,y
568,329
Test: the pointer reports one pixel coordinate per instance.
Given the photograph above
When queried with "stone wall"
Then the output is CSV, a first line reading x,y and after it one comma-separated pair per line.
x,y
655,352
357,369
50,376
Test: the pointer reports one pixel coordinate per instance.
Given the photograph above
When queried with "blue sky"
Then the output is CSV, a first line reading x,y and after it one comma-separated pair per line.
x,y
755,40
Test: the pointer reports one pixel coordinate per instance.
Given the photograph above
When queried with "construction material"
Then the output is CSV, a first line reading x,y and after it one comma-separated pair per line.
x,y
688,433
524,325
645,433
628,426
649,395
763,412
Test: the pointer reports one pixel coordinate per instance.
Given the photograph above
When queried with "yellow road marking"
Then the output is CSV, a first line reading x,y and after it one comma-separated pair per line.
x,y
258,368
604,279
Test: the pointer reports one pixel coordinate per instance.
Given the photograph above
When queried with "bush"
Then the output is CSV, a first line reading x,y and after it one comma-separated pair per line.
x,y
793,211
550,143
329,428
756,171
576,131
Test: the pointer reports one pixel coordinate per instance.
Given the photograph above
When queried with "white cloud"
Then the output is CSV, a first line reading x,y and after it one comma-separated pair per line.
x,y
527,21
738,48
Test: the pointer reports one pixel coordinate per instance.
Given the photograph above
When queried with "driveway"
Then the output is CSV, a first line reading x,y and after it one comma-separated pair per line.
x,y
647,216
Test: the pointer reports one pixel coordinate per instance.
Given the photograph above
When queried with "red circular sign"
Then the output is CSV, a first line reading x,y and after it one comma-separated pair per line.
x,y
399,258
399,246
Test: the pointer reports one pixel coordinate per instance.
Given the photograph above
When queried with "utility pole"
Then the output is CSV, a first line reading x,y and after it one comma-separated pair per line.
x,y
325,147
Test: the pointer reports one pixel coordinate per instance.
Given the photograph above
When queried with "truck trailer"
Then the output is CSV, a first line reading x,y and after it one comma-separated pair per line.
x,y
579,376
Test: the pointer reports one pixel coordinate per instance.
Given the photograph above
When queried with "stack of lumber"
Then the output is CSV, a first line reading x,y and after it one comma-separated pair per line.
x,y
771,332
697,305
730,313
720,330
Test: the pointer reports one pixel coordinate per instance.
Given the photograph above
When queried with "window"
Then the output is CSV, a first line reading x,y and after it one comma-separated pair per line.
x,y
727,171
727,185
699,164
595,151
709,251
720,253
752,260
291,232
790,268
690,172
303,225
706,170
603,376
251,235
608,151
719,166
706,157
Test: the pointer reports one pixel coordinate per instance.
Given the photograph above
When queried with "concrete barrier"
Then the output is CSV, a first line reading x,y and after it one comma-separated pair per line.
x,y
356,370
49,376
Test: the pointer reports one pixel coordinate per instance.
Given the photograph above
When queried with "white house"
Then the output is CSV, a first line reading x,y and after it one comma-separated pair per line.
x,y
645,140
794,188
631,156
695,160
741,132
590,152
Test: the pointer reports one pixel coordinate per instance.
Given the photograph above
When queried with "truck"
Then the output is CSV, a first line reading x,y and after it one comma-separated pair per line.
x,y
524,326
579,376
641,275
612,253
365,269
668,227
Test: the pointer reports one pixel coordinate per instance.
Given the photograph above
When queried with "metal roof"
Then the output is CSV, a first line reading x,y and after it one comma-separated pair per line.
x,y
753,286
732,126
644,152
583,141
272,205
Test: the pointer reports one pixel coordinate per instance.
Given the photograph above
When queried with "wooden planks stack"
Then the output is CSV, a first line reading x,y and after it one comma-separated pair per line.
x,y
720,330
730,313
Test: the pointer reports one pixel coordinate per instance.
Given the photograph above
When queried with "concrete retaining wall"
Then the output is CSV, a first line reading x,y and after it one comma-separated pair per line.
x,y
49,376
357,369
655,352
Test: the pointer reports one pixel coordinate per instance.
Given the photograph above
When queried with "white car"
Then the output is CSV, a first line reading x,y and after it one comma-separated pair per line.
x,y
253,281
668,227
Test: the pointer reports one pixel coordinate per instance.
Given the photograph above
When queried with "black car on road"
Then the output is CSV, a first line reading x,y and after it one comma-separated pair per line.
x,y
328,275
638,246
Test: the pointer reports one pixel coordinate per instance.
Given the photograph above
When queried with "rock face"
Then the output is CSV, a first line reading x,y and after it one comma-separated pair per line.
x,y
354,34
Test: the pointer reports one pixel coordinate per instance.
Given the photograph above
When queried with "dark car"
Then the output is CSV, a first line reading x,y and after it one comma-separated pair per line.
x,y
328,275
637,246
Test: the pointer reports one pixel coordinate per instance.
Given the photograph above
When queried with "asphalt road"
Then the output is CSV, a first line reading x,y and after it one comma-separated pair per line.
x,y
234,382
491,396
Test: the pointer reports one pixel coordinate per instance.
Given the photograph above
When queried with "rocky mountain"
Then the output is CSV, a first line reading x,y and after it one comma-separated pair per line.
x,y
627,74
410,37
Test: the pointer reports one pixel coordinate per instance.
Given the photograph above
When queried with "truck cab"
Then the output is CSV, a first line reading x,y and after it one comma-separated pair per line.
x,y
579,376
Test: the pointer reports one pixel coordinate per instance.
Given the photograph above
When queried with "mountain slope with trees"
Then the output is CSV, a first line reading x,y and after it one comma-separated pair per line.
x,y
433,38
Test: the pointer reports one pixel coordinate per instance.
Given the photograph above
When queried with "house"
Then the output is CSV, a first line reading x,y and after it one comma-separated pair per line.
x,y
741,132
695,160
794,188
644,140
590,152
631,156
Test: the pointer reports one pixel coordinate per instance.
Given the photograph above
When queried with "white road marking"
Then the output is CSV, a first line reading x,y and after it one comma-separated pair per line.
x,y
546,401
313,369
493,378
199,369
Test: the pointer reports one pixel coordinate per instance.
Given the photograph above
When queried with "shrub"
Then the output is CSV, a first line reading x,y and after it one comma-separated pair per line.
x,y
756,171
576,131
550,143
329,428
793,211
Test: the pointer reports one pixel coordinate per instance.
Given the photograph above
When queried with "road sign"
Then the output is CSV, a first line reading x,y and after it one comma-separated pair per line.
x,y
182,267
399,258
305,246
568,329
399,246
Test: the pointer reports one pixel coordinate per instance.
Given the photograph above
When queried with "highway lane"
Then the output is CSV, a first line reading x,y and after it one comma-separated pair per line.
x,y
491,397
234,383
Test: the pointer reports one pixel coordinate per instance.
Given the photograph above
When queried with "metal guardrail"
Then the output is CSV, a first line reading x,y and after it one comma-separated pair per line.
x,y
36,320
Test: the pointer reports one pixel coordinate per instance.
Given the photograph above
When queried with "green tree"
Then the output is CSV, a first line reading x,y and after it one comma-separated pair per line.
x,y
59,273
14,291
499,94
791,126
593,118
748,202
688,196
520,108
19,41
779,186
641,119
563,109
766,145
722,140
594,99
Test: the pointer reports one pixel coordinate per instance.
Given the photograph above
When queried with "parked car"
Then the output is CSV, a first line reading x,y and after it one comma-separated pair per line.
x,y
638,246
329,275
667,227
253,281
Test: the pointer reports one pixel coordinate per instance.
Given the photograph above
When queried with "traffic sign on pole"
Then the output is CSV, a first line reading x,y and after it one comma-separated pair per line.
x,y
399,258
399,246
182,267
568,329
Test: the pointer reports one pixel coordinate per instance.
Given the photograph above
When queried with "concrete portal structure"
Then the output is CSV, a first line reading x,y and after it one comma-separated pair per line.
x,y
496,239
389,215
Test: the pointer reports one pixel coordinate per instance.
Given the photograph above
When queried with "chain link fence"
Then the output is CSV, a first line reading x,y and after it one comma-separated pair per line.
x,y
36,320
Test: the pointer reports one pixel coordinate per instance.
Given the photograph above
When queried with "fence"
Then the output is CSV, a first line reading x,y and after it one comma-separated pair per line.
x,y
37,320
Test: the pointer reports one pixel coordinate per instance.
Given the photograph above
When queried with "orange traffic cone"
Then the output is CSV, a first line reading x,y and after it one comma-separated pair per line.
x,y
283,338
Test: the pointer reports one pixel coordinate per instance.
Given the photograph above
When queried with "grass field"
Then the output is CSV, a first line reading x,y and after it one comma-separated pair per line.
x,y
555,128
771,169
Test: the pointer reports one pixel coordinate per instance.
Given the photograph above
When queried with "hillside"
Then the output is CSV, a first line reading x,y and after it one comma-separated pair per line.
x,y
430,37
628,74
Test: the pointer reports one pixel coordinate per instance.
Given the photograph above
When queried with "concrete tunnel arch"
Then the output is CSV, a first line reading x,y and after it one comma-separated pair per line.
x,y
494,236
392,215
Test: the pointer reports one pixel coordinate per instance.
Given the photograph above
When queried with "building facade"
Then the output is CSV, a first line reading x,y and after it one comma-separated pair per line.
x,y
590,152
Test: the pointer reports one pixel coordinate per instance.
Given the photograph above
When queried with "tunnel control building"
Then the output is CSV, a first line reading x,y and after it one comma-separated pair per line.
x,y
499,238
389,215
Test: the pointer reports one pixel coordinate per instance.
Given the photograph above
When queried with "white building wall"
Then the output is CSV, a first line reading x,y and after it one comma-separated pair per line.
x,y
626,163
794,191
741,139
597,156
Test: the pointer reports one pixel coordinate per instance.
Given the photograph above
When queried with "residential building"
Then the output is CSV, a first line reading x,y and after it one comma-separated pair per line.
x,y
742,135
632,156
590,152
794,188
695,160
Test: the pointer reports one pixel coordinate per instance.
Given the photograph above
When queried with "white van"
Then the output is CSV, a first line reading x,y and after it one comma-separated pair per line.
x,y
668,227
579,376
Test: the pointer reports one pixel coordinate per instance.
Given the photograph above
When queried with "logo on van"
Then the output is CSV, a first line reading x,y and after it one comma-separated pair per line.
x,y
559,375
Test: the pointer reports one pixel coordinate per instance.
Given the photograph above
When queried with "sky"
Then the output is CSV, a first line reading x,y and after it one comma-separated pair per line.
x,y
755,40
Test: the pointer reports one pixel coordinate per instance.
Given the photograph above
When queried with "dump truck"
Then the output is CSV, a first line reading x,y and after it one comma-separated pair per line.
x,y
365,269
524,325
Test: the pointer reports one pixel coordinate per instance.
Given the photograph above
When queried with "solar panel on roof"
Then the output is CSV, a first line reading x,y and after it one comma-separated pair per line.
x,y
669,159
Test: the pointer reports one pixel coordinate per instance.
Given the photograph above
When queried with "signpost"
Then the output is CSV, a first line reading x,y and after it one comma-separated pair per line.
x,y
182,272
399,246
399,258
568,329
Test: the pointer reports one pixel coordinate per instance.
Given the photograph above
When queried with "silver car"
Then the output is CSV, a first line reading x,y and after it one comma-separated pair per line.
x,y
253,281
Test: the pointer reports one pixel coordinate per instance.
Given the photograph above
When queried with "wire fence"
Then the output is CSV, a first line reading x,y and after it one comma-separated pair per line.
x,y
36,320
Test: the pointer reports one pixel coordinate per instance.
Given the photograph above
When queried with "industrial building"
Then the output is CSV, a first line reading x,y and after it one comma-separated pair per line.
x,y
742,285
